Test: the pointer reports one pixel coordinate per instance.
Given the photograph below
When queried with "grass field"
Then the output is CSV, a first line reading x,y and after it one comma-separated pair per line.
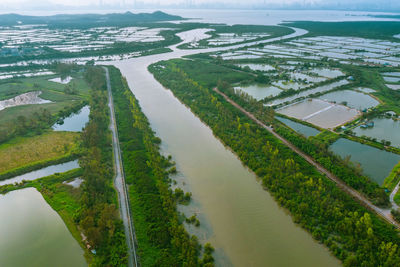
x,y
9,115
393,178
13,87
22,151
64,100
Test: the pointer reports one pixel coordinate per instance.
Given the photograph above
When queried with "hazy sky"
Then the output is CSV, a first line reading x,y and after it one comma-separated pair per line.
x,y
341,4
121,2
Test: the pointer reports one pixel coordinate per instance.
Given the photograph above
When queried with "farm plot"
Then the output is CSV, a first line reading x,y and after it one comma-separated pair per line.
x,y
16,39
348,50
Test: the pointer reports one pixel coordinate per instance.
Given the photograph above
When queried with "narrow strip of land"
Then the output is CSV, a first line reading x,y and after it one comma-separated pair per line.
x,y
317,112
394,192
119,183
384,213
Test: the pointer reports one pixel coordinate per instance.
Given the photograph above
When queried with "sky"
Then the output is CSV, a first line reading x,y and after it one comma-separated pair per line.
x,y
384,5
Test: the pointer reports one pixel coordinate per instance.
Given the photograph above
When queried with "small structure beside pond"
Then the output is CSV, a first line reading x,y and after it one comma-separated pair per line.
x,y
368,124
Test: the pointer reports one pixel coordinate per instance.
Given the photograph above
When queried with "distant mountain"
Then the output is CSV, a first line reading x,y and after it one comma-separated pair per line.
x,y
87,20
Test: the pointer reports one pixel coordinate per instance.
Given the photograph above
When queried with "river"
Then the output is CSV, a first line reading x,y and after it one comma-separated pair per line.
x,y
243,222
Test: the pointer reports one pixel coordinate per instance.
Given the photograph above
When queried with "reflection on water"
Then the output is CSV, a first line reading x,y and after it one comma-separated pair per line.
x,y
75,122
307,131
374,162
32,233
260,67
321,113
242,220
260,92
319,89
353,99
50,170
384,128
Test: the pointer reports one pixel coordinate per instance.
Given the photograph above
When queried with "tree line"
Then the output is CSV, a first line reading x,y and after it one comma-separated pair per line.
x,y
353,234
99,216
313,146
161,236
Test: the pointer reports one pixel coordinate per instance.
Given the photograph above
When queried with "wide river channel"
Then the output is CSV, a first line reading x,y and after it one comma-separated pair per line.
x,y
239,218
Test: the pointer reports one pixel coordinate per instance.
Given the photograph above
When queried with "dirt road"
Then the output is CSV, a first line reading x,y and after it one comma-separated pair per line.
x,y
384,213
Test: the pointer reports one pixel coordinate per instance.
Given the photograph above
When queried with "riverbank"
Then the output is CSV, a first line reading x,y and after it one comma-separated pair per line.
x,y
293,182
160,235
90,211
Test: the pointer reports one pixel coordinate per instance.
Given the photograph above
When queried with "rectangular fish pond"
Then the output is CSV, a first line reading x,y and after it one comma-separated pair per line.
x,y
375,163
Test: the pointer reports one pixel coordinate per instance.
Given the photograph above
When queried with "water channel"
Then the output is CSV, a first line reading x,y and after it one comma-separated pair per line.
x,y
244,223
305,130
50,170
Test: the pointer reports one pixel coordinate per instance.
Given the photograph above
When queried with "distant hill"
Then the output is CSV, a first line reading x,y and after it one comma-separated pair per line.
x,y
87,20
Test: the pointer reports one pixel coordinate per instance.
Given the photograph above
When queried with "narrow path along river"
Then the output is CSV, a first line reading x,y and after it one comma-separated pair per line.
x,y
119,181
246,225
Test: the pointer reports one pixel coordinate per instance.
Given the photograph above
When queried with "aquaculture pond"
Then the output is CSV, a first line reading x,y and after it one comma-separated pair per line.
x,y
328,73
391,79
320,113
286,85
50,170
365,90
308,78
260,92
260,67
352,99
33,234
395,74
75,122
240,219
384,128
375,163
393,86
319,89
305,130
